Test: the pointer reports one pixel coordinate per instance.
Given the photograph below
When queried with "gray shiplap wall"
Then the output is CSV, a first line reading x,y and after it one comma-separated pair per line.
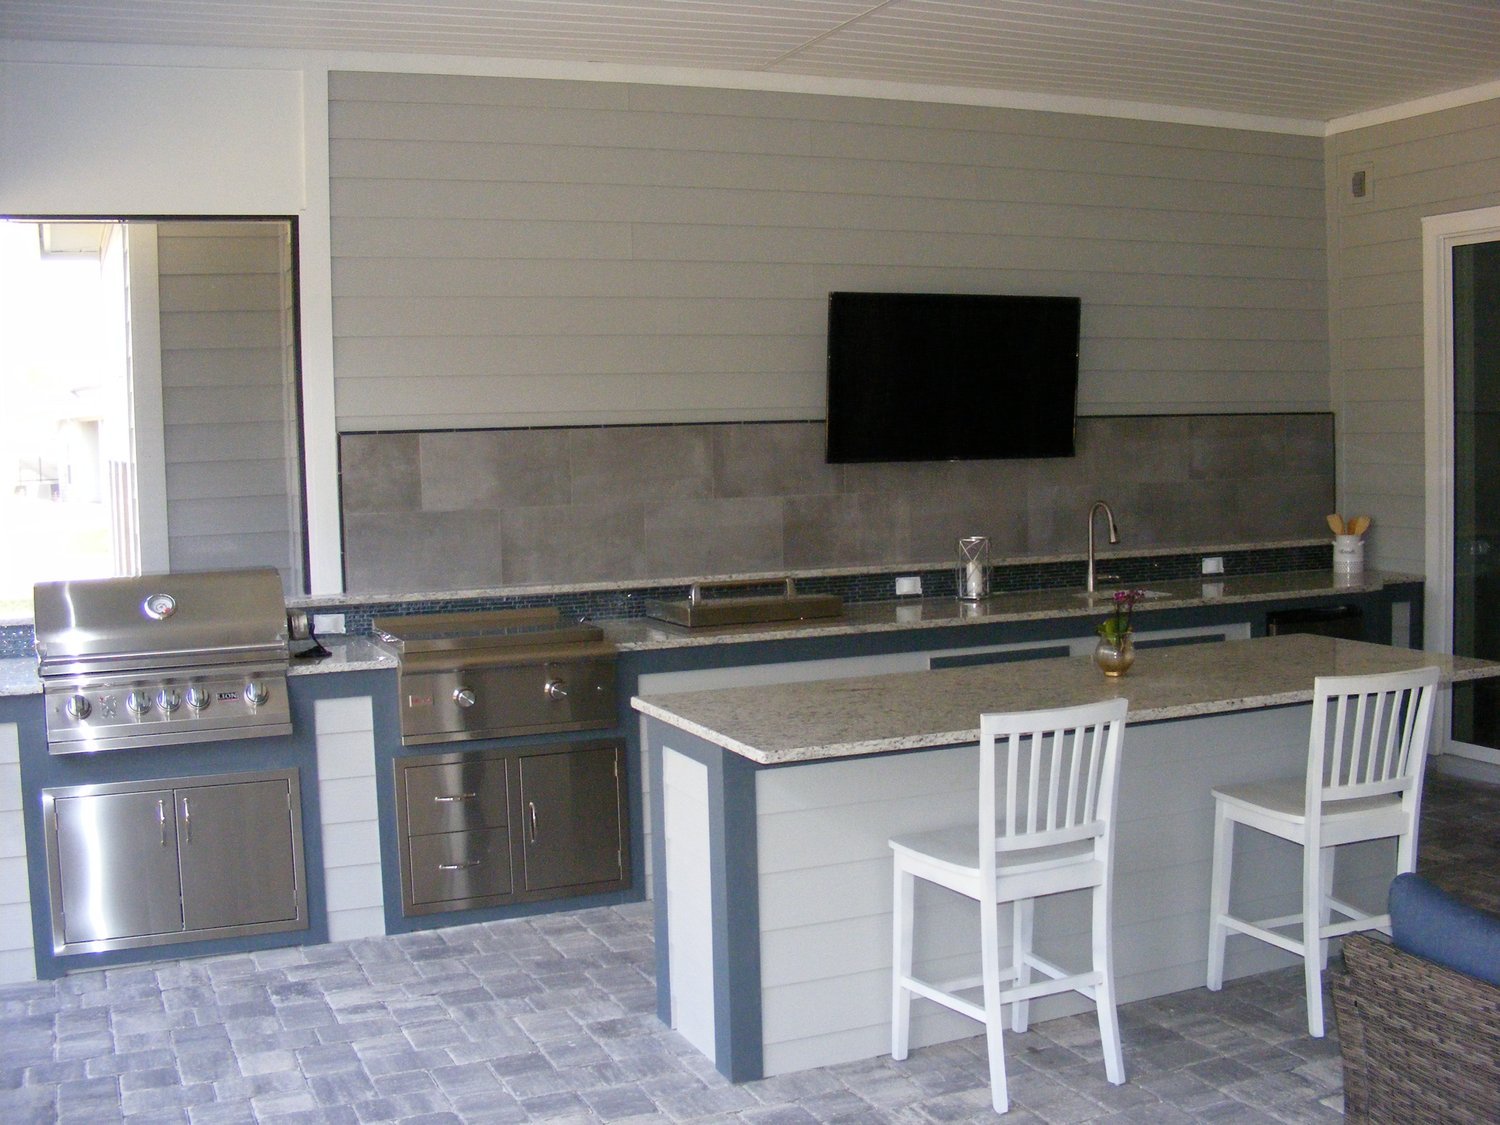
x,y
512,252
229,396
1435,164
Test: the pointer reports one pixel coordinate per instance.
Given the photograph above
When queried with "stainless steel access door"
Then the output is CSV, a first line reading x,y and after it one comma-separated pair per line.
x,y
235,841
117,855
571,823
140,863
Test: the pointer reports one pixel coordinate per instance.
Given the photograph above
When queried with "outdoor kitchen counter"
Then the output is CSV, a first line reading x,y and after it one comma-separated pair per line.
x,y
645,634
771,870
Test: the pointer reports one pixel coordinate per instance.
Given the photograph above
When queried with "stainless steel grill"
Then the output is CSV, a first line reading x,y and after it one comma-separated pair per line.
x,y
162,659
493,674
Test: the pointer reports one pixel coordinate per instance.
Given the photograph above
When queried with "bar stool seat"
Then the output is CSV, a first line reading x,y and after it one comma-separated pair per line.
x,y
1047,786
1367,751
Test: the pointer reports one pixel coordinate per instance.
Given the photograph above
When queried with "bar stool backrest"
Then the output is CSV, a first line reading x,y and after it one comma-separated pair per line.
x,y
1369,736
1047,777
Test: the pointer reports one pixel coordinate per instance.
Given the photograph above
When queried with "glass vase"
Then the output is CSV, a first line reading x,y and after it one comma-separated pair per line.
x,y
1114,657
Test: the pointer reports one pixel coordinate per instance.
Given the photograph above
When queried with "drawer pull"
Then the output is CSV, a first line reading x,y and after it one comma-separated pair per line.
x,y
449,798
457,866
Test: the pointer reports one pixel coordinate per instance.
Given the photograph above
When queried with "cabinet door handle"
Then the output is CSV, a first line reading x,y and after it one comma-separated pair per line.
x,y
187,821
161,819
457,866
446,798
531,808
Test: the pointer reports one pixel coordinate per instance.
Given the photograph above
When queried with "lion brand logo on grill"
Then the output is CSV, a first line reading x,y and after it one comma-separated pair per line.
x,y
419,701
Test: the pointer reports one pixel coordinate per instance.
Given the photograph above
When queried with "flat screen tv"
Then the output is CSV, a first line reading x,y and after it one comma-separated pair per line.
x,y
950,376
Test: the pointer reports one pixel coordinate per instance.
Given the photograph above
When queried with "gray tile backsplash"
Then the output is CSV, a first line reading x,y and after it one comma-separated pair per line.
x,y
458,510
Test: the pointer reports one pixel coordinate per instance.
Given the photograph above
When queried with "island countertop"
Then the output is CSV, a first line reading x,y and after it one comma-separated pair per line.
x,y
778,724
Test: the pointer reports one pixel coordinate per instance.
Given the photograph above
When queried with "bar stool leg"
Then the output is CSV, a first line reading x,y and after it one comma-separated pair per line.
x,y
994,1028
1021,927
1218,895
1104,991
1312,941
902,923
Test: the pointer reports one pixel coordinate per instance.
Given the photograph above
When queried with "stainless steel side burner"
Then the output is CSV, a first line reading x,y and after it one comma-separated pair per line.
x,y
492,674
162,659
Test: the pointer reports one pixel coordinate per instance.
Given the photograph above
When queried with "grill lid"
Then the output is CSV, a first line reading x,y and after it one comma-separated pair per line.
x,y
160,621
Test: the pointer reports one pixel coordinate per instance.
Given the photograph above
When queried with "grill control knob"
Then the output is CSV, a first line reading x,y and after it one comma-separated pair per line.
x,y
464,697
169,699
138,702
198,698
78,707
256,693
556,689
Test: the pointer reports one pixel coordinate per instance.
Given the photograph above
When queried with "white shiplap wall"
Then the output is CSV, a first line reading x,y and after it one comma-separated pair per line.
x,y
527,252
1432,165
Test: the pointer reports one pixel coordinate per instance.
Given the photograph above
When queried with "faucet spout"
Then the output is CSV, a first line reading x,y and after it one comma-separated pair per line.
x,y
1114,535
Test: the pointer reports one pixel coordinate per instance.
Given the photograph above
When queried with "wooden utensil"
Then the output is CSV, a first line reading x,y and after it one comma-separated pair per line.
x,y
1359,525
1336,522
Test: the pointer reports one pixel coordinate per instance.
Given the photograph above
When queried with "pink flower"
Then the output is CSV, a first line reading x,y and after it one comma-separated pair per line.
x,y
1114,627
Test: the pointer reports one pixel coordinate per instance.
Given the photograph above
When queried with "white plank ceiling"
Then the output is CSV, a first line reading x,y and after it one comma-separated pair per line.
x,y
1305,60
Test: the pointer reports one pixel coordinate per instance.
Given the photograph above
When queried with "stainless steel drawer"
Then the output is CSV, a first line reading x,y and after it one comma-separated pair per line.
x,y
456,796
460,869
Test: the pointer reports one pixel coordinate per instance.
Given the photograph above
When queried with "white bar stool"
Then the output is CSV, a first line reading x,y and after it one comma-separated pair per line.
x,y
1365,762
1059,772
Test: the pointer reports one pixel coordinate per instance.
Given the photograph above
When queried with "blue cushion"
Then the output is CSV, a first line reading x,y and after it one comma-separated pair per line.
x,y
1429,922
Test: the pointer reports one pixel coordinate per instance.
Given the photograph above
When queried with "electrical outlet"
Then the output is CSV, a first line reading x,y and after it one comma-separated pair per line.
x,y
329,623
1214,564
907,587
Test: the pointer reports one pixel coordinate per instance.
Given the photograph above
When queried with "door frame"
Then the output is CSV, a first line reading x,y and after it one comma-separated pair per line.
x,y
1440,234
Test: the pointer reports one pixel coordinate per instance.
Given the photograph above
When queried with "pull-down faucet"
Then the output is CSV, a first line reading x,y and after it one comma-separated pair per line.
x,y
1114,536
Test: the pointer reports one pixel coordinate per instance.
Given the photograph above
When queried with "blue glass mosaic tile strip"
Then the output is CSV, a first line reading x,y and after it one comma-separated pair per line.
x,y
938,582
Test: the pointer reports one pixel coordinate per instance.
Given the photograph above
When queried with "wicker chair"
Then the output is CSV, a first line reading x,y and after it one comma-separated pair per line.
x,y
1420,1043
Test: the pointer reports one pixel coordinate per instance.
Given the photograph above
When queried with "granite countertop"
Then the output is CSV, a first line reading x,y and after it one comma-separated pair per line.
x,y
346,654
780,724
639,634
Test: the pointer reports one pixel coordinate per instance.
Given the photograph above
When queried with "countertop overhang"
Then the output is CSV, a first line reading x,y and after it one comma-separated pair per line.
x,y
782,724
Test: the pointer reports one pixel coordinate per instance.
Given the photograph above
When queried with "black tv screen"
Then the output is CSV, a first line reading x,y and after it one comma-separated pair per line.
x,y
950,376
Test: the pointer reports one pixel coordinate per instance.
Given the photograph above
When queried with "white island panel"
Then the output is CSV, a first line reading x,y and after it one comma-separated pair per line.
x,y
690,909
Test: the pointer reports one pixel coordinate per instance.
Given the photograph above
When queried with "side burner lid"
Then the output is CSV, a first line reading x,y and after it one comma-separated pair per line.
x,y
487,629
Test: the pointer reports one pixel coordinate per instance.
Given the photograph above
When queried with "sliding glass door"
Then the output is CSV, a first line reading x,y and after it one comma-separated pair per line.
x,y
1475,584
1461,290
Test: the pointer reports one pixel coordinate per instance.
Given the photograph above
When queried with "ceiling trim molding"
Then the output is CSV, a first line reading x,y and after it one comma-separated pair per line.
x,y
243,57
1485,92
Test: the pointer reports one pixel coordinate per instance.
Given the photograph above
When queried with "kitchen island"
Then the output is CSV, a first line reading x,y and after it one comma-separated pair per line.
x,y
771,873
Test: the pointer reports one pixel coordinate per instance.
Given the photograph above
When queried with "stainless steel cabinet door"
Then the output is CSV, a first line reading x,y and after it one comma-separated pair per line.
x,y
570,818
236,846
117,857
